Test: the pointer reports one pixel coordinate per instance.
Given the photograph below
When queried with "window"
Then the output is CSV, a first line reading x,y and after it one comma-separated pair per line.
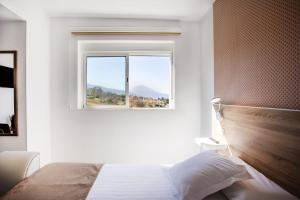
x,y
125,75
149,81
105,81
128,81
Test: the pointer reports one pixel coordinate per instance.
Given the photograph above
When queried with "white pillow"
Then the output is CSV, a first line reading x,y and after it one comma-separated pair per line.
x,y
204,174
258,188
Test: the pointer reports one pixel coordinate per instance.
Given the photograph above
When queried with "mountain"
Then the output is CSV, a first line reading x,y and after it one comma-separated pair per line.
x,y
105,89
140,90
144,91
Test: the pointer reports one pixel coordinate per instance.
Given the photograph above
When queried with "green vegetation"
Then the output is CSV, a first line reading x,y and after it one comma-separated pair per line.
x,y
143,102
97,96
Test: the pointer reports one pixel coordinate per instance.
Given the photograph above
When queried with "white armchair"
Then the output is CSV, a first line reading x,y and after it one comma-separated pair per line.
x,y
15,166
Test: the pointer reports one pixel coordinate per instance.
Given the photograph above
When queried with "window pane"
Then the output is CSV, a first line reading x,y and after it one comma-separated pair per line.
x,y
105,81
149,81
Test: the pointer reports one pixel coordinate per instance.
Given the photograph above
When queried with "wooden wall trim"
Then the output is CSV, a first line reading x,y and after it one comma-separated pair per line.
x,y
267,139
123,33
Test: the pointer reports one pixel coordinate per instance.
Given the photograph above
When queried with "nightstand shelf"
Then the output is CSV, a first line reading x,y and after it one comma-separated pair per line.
x,y
207,143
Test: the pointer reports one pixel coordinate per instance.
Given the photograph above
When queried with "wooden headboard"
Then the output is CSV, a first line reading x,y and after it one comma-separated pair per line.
x,y
267,139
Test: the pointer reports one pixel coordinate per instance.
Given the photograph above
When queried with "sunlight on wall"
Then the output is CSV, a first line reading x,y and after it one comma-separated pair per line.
x,y
217,130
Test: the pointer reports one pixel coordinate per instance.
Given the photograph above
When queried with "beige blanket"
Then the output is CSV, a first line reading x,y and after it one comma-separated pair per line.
x,y
58,181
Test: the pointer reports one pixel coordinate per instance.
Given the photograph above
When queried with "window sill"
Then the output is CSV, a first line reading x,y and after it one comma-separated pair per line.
x,y
123,108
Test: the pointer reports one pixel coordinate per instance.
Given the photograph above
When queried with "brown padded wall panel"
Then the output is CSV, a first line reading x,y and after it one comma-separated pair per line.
x,y
257,52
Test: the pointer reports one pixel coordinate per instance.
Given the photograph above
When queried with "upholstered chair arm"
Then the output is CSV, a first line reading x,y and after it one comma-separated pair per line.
x,y
15,166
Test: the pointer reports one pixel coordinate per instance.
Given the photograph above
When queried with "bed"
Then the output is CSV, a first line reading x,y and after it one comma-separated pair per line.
x,y
252,133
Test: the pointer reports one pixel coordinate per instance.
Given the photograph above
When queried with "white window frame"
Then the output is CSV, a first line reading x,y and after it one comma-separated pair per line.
x,y
126,54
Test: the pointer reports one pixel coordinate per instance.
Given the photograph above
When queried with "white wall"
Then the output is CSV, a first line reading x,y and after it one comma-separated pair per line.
x,y
207,71
158,136
107,136
37,76
13,37
38,86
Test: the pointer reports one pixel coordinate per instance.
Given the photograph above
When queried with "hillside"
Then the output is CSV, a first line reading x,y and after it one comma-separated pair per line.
x,y
141,96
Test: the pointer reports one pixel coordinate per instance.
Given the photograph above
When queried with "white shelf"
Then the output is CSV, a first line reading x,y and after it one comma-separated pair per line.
x,y
206,143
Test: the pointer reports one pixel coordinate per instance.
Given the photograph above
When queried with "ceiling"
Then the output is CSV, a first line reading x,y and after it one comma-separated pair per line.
x,y
7,15
160,9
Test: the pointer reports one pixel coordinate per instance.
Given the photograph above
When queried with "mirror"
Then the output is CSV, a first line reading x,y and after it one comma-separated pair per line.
x,y
8,93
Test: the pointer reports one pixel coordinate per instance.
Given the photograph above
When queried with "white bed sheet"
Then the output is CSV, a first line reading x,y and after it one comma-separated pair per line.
x,y
132,182
136,182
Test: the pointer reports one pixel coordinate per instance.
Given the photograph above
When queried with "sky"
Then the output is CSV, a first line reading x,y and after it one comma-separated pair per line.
x,y
106,72
150,71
